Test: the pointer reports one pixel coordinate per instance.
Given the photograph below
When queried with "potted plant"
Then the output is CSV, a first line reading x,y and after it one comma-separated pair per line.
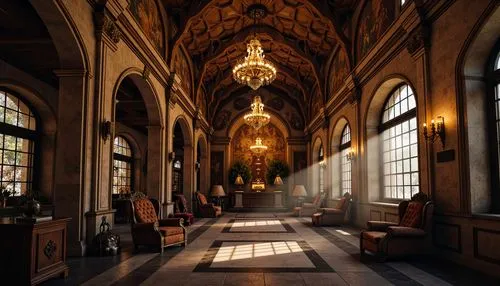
x,y
275,168
242,169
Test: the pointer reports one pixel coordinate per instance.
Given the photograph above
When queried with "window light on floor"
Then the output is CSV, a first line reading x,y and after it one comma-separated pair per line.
x,y
228,253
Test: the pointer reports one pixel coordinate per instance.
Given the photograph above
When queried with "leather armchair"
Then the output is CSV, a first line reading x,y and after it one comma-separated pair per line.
x,y
333,216
147,229
412,235
307,209
206,209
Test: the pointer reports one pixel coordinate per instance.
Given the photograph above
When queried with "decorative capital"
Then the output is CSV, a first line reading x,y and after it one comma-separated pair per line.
x,y
418,39
104,25
146,72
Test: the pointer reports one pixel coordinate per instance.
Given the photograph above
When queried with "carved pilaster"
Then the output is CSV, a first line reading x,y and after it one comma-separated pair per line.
x,y
173,84
106,28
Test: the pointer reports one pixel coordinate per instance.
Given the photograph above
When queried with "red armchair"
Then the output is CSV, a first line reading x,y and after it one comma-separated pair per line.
x,y
333,216
181,210
411,236
147,229
206,209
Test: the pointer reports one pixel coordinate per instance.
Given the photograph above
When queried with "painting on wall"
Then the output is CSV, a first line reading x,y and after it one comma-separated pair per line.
x,y
216,168
338,71
222,119
182,69
271,137
201,101
295,120
376,17
147,14
315,104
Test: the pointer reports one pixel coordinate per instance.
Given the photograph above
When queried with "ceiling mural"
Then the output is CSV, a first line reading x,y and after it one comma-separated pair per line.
x,y
147,14
242,102
276,103
376,17
201,102
316,104
338,72
181,67
271,137
221,121
294,120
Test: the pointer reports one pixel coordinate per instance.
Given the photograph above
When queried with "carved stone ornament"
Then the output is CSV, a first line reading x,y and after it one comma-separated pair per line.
x,y
50,249
418,39
105,25
146,72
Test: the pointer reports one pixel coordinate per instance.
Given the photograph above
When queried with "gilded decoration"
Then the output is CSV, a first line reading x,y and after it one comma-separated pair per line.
x,y
376,17
338,72
271,137
181,68
147,14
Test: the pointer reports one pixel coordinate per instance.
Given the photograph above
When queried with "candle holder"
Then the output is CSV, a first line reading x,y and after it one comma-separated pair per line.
x,y
437,131
350,156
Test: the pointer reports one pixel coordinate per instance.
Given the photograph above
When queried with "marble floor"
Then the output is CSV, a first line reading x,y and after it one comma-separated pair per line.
x,y
263,249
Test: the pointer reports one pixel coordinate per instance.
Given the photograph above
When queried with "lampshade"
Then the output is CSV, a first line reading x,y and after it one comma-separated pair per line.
x,y
217,191
278,180
239,181
299,191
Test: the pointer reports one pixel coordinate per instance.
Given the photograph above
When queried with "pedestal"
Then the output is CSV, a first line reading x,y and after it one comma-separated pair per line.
x,y
278,199
238,199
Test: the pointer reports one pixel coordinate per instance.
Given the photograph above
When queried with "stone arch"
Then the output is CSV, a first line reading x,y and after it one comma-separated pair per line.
x,y
373,114
189,160
203,171
334,160
47,121
153,154
472,98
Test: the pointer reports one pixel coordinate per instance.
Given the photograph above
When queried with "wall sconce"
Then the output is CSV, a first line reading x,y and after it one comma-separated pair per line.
x,y
350,156
437,131
197,166
322,164
171,156
107,130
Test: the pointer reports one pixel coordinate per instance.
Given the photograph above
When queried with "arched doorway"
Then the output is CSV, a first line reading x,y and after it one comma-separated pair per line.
x,y
137,117
183,162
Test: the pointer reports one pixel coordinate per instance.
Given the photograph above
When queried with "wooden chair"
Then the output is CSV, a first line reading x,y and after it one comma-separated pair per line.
x,y
412,235
147,229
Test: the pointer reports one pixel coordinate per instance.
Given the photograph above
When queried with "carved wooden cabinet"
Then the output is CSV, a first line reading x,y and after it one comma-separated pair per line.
x,y
33,252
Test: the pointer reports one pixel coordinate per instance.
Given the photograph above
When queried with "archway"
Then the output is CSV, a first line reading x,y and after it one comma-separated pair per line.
x,y
136,113
202,167
183,161
335,160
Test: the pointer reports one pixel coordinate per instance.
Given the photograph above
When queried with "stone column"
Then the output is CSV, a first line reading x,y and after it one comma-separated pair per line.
x,y
71,192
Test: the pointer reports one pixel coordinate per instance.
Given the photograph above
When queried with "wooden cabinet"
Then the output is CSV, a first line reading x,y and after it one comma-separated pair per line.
x,y
33,252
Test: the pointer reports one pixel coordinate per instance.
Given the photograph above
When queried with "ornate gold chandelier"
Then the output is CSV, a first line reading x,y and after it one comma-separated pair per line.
x,y
257,117
254,70
258,147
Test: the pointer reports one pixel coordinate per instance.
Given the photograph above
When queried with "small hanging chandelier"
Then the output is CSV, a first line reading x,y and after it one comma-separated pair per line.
x,y
254,70
258,147
257,117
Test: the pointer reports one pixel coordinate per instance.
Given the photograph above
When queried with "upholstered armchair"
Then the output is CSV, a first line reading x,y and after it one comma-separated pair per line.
x,y
181,210
412,235
206,209
307,209
148,230
333,216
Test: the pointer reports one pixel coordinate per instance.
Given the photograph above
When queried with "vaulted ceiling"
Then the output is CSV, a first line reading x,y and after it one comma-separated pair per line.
x,y
298,36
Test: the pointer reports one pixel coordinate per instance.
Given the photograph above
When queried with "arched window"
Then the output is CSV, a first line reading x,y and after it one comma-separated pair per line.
x,y
345,160
18,137
122,166
400,145
494,78
321,157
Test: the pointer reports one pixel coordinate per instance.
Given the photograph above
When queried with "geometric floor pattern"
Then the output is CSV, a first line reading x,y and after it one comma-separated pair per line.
x,y
262,249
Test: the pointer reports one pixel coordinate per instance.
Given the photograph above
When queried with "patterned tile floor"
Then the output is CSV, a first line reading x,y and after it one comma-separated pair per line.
x,y
262,249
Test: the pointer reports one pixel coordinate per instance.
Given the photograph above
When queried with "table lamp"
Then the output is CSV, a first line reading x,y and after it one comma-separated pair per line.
x,y
299,191
278,182
239,182
217,191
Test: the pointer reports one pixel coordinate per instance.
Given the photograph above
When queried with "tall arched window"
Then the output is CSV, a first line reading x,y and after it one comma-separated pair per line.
x,y
494,78
122,166
321,157
345,161
17,144
400,145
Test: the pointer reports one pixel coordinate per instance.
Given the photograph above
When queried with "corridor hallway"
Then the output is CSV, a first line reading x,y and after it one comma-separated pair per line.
x,y
263,249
